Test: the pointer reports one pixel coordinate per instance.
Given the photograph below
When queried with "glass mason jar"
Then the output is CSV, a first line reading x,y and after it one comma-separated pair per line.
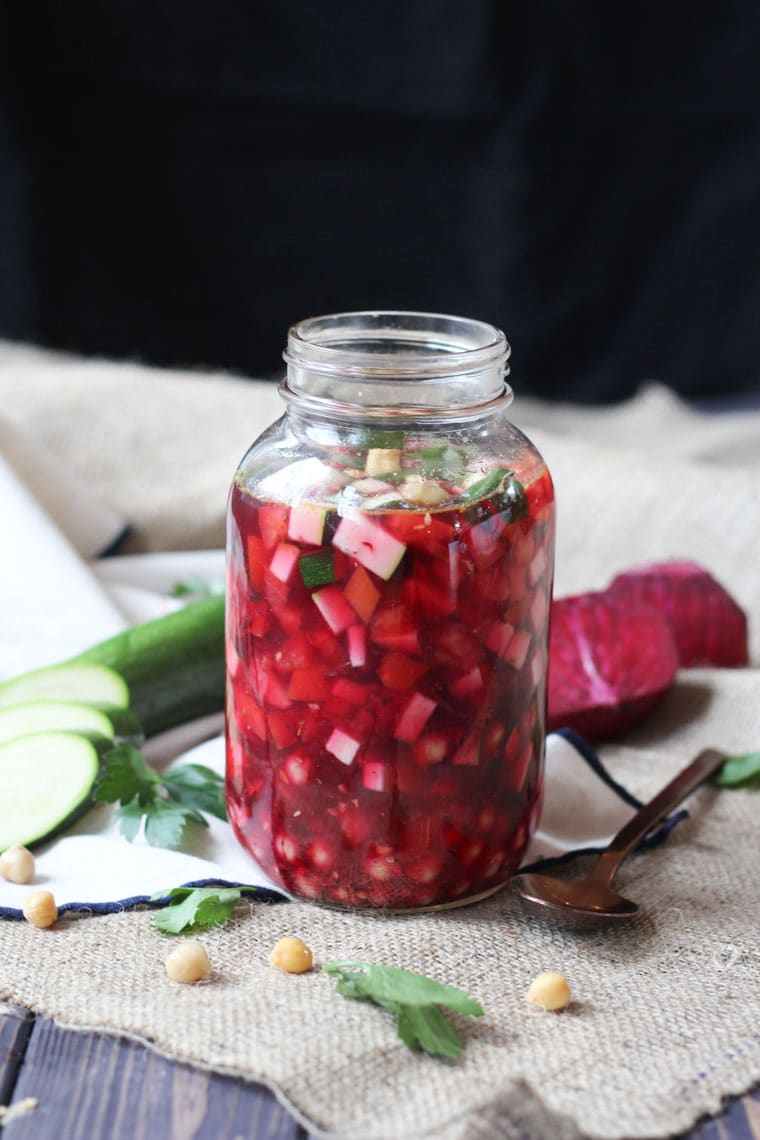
x,y
390,558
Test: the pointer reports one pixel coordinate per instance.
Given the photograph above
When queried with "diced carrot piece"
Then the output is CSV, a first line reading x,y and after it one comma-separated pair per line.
x,y
362,593
397,671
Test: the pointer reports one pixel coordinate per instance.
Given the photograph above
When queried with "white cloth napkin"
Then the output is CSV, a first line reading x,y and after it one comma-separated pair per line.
x,y
56,601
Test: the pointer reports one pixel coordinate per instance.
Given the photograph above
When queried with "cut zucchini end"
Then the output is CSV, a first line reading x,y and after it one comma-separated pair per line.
x,y
78,681
46,783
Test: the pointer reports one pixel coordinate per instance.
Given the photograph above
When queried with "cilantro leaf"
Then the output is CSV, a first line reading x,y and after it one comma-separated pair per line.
x,y
413,999
165,822
739,770
195,908
125,776
198,787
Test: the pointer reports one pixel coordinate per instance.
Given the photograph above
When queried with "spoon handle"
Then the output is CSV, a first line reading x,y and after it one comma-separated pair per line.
x,y
651,813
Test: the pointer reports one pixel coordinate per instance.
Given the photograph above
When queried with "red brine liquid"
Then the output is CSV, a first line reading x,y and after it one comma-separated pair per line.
x,y
386,691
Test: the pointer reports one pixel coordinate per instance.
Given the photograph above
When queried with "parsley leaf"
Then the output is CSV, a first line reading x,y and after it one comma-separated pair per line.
x,y
195,908
412,998
198,787
126,776
166,803
739,770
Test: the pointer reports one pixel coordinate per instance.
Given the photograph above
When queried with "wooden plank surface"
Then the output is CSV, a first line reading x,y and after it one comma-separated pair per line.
x,y
90,1086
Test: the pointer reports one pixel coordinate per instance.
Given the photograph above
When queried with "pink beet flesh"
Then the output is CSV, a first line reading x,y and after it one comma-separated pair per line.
x,y
708,626
609,664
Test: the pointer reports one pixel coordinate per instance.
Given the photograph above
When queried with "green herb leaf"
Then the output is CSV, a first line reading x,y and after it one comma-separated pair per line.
x,y
198,787
197,587
739,770
165,822
126,776
413,999
485,486
130,817
195,908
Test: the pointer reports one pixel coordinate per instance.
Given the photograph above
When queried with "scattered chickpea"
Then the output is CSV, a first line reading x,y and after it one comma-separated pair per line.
x,y
39,908
17,865
423,494
550,990
291,955
188,962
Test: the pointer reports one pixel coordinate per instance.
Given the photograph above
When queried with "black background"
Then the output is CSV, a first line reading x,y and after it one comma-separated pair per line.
x,y
179,182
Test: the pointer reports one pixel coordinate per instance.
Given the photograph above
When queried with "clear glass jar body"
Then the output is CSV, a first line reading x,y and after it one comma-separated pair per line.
x,y
390,559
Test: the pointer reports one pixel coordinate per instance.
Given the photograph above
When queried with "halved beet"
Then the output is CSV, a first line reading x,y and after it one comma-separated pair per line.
x,y
708,626
609,664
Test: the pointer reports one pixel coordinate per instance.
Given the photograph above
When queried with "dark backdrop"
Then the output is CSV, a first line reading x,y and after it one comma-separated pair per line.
x,y
181,181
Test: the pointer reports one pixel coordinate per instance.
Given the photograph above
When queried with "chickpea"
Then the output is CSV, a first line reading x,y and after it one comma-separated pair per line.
x,y
423,494
550,990
39,908
291,955
188,962
17,865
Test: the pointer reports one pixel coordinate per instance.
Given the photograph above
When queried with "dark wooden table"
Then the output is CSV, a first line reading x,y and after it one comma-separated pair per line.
x,y
89,1086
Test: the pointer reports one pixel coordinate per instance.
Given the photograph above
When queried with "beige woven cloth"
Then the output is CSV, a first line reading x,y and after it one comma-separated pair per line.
x,y
666,1016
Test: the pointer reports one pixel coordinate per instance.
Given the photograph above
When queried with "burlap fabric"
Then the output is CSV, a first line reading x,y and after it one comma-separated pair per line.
x,y
666,1011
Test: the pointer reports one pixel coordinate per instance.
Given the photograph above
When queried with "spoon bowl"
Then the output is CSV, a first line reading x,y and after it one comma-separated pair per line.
x,y
591,900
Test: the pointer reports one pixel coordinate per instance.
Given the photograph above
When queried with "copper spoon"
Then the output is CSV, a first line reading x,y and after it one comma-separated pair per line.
x,y
590,900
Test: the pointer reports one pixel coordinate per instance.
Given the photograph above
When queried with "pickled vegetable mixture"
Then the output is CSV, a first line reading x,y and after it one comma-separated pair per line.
x,y
386,651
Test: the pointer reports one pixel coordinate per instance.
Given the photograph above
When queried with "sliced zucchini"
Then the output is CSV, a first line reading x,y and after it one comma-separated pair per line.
x,y
42,716
46,783
83,682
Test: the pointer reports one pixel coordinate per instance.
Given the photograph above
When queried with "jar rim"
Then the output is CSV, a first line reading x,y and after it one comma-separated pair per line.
x,y
425,345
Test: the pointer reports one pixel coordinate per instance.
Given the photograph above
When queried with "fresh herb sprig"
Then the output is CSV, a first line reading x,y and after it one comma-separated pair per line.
x,y
739,770
166,803
413,999
196,908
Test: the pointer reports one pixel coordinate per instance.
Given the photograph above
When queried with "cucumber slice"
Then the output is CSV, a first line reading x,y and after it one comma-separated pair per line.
x,y
42,716
82,682
46,783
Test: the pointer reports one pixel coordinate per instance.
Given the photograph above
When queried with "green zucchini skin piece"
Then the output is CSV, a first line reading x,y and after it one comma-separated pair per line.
x,y
46,784
87,683
173,665
45,716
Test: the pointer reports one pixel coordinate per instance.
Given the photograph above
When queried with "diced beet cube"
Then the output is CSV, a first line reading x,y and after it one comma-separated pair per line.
x,y
275,692
283,727
327,645
307,523
415,715
259,618
498,637
334,608
456,646
256,561
467,685
308,685
273,523
397,671
468,752
342,745
352,692
517,650
366,541
362,593
284,561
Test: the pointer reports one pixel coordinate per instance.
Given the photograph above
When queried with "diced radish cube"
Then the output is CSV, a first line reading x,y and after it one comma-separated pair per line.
x,y
307,523
468,752
284,561
537,565
368,542
357,646
517,650
498,635
414,717
469,685
539,611
334,608
342,745
275,692
362,593
376,776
